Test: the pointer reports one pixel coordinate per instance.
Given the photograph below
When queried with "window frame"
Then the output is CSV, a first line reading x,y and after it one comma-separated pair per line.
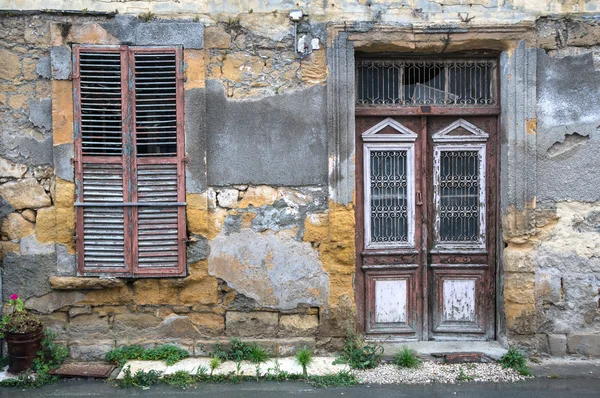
x,y
129,161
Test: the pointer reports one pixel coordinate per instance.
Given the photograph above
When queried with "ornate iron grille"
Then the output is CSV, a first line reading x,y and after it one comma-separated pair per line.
x,y
389,201
459,196
415,82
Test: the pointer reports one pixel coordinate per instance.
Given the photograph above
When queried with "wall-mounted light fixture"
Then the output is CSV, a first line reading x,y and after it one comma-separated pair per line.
x,y
296,16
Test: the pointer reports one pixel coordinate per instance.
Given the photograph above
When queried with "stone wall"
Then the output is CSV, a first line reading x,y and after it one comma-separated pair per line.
x,y
551,274
269,177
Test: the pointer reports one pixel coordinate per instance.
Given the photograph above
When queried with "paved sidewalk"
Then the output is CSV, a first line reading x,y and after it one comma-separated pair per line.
x,y
541,387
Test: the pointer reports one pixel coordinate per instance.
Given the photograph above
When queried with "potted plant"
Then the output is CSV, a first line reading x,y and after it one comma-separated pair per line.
x,y
23,333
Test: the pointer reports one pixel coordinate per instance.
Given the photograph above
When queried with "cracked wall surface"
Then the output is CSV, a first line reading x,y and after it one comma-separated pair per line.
x,y
270,193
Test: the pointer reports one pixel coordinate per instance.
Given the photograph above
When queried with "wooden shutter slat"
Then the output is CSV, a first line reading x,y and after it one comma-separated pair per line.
x,y
103,228
157,226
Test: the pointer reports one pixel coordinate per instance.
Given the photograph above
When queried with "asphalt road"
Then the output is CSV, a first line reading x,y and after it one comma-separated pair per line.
x,y
541,387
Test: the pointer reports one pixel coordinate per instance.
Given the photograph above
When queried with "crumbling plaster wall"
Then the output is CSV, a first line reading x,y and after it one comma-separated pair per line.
x,y
265,258
286,217
551,278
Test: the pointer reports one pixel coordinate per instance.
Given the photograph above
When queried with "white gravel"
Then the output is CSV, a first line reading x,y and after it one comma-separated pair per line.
x,y
430,372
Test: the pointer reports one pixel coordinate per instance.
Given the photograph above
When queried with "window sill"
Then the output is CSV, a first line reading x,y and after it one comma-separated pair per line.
x,y
84,283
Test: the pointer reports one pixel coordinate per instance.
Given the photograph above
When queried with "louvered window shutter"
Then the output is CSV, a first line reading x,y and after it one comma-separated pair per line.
x,y
129,169
100,104
160,225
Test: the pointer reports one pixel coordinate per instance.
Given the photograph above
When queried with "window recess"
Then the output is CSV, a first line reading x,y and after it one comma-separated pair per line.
x,y
129,161
450,83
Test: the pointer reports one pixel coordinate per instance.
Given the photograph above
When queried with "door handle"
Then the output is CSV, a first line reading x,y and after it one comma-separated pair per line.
x,y
419,198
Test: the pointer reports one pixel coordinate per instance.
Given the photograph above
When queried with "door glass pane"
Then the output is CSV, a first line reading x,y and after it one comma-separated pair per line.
x,y
459,196
389,222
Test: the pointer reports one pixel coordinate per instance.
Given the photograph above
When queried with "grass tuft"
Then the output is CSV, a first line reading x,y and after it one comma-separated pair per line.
x,y
514,359
406,358
304,357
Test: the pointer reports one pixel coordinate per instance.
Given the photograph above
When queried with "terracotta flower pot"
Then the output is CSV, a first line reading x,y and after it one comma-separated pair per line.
x,y
22,349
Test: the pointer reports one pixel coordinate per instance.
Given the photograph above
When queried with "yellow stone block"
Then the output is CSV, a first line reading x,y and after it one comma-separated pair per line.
x,y
203,291
195,68
207,322
314,67
16,227
8,247
337,257
65,225
316,228
45,225
519,288
19,101
62,111
233,65
258,196
64,193
342,223
116,296
198,270
154,291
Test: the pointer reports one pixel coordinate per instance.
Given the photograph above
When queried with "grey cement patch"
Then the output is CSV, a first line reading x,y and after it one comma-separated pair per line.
x,y
65,261
61,62
27,275
568,142
40,113
290,272
26,149
278,217
232,224
130,30
187,34
198,249
63,166
279,140
5,208
44,68
195,140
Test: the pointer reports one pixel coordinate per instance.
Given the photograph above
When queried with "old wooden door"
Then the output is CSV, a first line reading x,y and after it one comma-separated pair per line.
x,y
426,198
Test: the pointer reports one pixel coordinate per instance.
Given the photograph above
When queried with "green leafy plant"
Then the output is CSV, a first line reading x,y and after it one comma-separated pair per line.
x,y
18,319
462,376
141,378
258,356
220,352
304,357
146,16
169,353
239,351
181,379
342,378
215,362
358,354
406,358
514,359
50,357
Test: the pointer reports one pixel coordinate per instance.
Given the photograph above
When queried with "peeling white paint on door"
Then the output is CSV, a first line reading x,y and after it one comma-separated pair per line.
x,y
390,301
459,300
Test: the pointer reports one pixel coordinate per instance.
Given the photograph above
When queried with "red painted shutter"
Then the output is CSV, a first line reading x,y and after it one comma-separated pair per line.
x,y
102,242
159,225
128,116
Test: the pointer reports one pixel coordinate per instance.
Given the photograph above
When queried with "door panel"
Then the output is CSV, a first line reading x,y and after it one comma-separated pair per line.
x,y
426,194
389,232
462,159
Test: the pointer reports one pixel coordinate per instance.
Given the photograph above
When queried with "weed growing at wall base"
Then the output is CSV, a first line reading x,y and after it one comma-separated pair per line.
x,y
168,353
358,354
516,360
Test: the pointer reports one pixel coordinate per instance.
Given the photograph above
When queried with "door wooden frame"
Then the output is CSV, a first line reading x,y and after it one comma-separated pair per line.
x,y
362,279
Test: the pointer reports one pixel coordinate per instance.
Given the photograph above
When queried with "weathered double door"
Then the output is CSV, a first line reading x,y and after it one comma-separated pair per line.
x,y
426,230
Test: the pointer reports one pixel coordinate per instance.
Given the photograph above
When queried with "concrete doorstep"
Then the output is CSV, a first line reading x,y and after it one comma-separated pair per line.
x,y
320,366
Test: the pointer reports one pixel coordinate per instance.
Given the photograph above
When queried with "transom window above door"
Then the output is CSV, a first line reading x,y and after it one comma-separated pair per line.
x,y
410,82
